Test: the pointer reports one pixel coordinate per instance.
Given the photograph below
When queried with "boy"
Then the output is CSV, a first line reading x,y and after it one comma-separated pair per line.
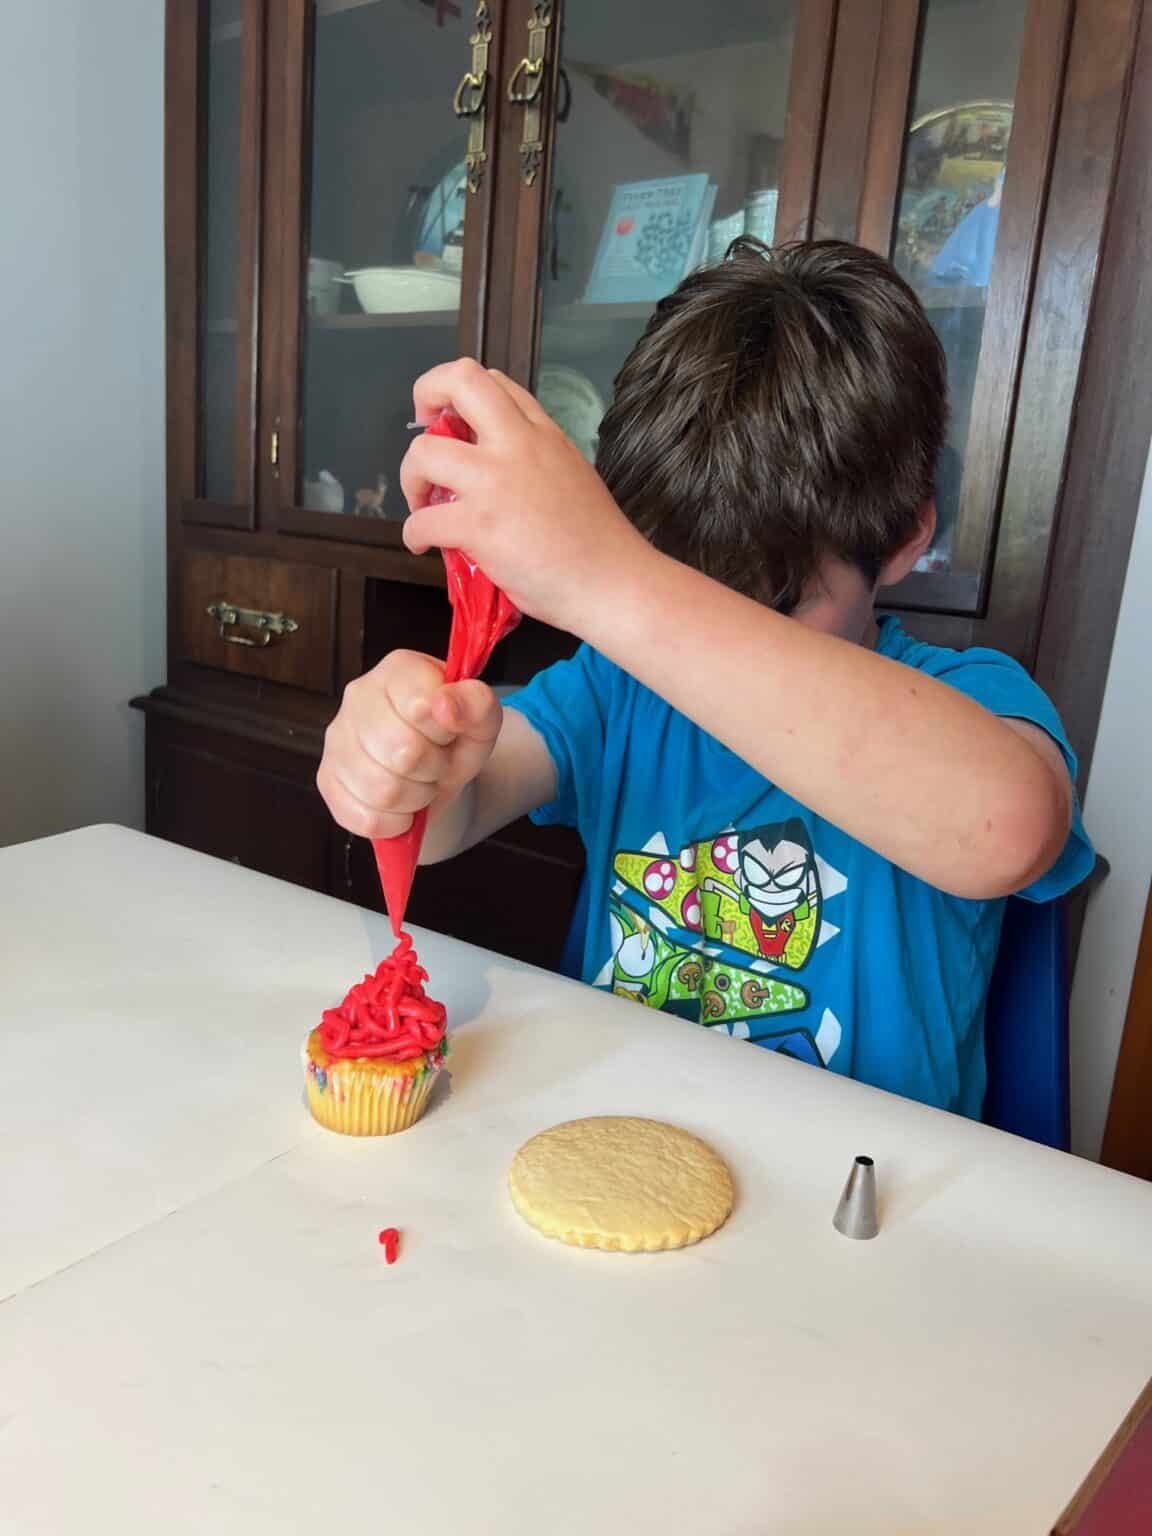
x,y
800,824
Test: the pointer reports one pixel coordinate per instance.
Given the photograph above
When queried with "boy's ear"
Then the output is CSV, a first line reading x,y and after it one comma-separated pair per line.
x,y
897,566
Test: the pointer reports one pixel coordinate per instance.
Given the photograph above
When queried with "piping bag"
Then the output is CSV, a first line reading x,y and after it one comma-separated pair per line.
x,y
481,617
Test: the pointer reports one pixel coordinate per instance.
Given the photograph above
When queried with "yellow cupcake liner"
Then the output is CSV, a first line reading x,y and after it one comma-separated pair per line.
x,y
353,1098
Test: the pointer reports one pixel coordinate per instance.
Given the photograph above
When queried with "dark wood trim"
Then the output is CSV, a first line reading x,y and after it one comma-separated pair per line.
x,y
504,300
478,225
1081,1504
342,527
294,709
1087,147
214,514
182,86
184,188
278,188
251,224
1128,1134
848,118
1034,124
943,592
383,561
808,81
242,725
287,178
1109,439
891,96
531,202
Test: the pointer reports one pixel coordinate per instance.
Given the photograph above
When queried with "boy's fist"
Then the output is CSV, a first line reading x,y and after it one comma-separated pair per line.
x,y
528,507
403,738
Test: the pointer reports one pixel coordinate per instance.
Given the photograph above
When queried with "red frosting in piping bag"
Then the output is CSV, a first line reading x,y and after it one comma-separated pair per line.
x,y
387,1016
481,617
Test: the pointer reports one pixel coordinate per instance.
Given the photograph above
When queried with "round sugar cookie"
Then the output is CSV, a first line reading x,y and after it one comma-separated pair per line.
x,y
628,1185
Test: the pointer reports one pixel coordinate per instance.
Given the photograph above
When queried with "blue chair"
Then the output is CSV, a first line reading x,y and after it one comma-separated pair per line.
x,y
1026,1025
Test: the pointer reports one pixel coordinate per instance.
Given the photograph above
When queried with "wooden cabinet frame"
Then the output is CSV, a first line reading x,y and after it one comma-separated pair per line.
x,y
186,89
1059,430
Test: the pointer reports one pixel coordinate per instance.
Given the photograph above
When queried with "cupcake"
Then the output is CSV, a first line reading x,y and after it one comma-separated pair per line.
x,y
371,1063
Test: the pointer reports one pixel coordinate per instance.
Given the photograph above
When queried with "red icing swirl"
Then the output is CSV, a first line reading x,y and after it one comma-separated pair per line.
x,y
387,1016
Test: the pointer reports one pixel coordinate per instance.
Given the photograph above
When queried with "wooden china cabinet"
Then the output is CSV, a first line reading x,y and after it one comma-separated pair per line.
x,y
357,189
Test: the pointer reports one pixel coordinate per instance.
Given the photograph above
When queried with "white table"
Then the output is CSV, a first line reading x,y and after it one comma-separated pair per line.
x,y
202,1335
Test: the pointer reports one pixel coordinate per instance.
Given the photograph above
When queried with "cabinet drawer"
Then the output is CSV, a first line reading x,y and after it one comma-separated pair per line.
x,y
264,618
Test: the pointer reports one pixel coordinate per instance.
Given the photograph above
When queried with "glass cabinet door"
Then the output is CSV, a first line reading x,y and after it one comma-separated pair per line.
x,y
228,49
956,154
668,144
396,119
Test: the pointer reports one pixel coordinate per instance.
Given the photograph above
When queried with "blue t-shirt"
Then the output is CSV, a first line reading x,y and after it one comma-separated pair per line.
x,y
713,894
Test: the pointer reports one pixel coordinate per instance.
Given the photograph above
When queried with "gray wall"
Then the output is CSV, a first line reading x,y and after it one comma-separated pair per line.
x,y
1118,812
81,408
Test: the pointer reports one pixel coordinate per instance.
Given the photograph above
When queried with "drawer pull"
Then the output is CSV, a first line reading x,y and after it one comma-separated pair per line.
x,y
268,626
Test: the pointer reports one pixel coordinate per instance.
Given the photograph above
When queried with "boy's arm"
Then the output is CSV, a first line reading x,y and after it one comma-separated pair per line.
x,y
970,803
974,804
518,777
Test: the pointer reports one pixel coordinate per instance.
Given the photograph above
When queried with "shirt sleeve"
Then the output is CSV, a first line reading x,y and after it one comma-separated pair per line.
x,y
1002,686
568,705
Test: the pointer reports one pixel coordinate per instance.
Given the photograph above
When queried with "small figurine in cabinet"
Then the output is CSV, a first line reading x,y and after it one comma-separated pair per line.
x,y
370,503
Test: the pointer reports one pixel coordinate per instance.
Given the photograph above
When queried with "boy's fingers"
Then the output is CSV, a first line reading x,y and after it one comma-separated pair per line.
x,y
471,709
417,759
378,786
443,527
471,391
433,461
411,699
352,814
520,397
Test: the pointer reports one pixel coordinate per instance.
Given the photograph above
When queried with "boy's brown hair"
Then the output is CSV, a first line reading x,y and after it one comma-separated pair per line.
x,y
781,407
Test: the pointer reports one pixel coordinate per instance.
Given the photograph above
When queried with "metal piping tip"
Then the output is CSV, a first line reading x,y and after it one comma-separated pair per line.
x,y
856,1214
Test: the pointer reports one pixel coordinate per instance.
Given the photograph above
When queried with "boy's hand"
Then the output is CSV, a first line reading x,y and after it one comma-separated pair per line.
x,y
529,509
402,739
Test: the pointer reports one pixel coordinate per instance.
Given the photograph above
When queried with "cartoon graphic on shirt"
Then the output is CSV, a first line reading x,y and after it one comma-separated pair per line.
x,y
755,891
651,969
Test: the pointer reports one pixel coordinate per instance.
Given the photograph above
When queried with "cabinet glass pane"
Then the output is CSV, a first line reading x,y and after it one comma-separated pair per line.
x,y
385,239
220,216
668,147
948,211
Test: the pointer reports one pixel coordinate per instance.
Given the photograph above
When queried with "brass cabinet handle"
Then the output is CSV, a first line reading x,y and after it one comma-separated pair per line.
x,y
521,93
471,97
526,89
268,626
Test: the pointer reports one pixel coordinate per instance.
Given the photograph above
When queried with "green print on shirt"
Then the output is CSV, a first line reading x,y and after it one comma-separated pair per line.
x,y
648,968
756,891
